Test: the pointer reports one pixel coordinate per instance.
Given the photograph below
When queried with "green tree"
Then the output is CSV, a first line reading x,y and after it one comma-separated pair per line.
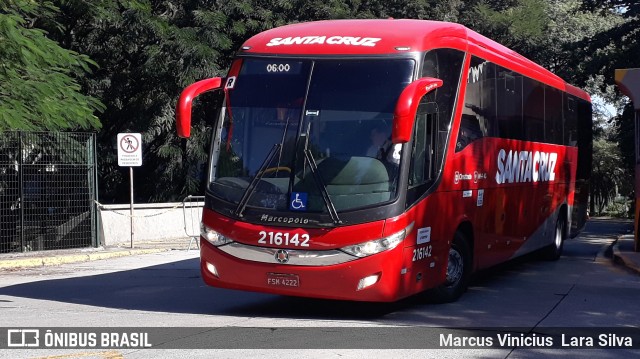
x,y
609,177
600,54
520,26
39,89
147,53
545,31
624,137
615,47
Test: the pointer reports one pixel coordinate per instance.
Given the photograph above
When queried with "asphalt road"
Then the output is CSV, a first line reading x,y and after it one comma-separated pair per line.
x,y
582,289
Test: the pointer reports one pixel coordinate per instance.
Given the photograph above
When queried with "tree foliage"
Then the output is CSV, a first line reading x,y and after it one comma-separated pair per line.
x,y
624,136
609,178
616,47
39,88
519,26
147,53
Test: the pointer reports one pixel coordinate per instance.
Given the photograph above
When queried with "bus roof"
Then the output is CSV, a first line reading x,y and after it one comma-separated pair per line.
x,y
390,36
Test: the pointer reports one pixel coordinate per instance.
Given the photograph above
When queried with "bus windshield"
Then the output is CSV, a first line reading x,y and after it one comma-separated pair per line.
x,y
308,135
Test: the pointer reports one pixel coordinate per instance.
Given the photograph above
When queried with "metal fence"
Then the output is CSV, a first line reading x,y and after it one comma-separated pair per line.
x,y
48,189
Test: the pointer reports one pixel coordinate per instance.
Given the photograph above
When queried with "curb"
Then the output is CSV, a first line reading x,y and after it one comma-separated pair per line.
x,y
619,257
34,262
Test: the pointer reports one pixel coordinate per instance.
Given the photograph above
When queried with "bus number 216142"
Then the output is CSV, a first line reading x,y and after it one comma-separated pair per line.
x,y
279,239
422,253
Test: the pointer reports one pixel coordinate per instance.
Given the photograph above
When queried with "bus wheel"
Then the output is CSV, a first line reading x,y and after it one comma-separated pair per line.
x,y
458,272
553,251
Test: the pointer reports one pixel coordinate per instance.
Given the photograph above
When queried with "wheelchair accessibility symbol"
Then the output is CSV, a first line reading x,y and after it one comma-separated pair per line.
x,y
298,201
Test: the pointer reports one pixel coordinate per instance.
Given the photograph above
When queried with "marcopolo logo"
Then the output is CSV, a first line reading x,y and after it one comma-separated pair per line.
x,y
526,166
321,40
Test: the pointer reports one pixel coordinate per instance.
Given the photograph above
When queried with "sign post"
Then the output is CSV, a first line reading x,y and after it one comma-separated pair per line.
x,y
130,155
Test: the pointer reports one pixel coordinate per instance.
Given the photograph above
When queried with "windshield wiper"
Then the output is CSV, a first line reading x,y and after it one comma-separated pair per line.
x,y
308,156
252,186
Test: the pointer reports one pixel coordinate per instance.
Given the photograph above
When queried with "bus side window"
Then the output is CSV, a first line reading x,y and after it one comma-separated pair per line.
x,y
570,121
480,114
553,126
469,131
509,104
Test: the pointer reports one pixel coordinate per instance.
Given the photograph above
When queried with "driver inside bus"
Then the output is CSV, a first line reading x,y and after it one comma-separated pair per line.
x,y
378,137
381,146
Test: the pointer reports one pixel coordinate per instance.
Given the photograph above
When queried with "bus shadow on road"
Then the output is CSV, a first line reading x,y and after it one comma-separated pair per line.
x,y
177,288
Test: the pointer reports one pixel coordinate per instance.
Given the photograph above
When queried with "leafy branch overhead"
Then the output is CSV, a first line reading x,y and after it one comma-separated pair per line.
x,y
39,88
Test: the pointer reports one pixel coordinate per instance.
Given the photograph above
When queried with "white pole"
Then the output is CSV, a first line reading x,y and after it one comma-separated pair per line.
x,y
131,194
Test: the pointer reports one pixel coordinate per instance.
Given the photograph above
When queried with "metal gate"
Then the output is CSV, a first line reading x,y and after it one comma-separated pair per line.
x,y
48,191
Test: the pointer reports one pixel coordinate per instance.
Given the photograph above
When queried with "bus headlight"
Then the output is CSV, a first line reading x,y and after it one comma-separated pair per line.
x,y
378,245
213,237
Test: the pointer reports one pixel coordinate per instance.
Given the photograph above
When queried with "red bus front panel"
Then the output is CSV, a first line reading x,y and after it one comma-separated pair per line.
x,y
414,265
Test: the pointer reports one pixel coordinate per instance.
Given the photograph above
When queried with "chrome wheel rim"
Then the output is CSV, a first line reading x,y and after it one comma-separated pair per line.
x,y
558,239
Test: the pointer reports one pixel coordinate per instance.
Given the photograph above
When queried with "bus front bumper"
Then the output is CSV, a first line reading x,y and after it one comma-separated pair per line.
x,y
375,278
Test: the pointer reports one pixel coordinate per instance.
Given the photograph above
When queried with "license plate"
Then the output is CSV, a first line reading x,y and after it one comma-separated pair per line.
x,y
283,280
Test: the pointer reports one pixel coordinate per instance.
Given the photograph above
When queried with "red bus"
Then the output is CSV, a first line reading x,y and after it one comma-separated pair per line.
x,y
371,160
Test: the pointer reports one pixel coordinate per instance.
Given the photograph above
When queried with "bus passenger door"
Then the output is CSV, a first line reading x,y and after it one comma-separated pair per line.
x,y
422,257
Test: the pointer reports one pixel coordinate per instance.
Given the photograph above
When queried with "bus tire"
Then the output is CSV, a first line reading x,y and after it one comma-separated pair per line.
x,y
553,251
458,271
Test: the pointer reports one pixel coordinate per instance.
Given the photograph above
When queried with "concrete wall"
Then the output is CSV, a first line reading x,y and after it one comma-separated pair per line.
x,y
151,222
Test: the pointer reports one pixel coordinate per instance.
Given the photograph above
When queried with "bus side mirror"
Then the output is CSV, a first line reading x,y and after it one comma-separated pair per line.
x,y
183,110
407,105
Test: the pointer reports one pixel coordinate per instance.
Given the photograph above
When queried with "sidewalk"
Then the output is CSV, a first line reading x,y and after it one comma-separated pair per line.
x,y
623,253
9,261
